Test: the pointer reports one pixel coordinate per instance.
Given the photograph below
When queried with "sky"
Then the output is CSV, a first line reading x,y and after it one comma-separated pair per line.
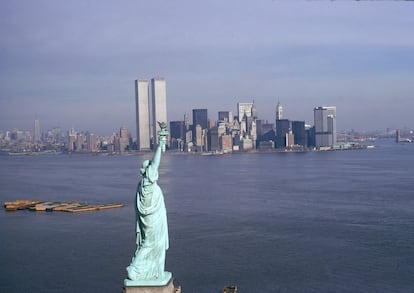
x,y
73,63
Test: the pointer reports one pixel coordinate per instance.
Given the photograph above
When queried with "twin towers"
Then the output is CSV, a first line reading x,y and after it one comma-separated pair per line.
x,y
149,109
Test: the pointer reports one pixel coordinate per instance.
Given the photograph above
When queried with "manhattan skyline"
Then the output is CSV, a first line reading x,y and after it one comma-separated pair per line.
x,y
73,63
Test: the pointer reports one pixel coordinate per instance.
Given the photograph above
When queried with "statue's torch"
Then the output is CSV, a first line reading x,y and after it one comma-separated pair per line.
x,y
163,134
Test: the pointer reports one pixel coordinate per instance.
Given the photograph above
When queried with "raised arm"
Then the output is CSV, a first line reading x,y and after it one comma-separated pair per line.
x,y
157,157
161,145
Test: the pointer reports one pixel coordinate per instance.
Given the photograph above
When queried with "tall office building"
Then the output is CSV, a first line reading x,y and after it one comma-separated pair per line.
x,y
36,131
299,133
325,126
200,124
279,111
186,122
177,130
398,135
177,135
225,116
80,142
142,111
71,140
246,109
159,105
199,137
200,118
283,126
92,142
123,138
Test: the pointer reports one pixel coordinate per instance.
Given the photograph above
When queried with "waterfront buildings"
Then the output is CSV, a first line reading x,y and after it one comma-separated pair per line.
x,y
246,132
325,126
228,133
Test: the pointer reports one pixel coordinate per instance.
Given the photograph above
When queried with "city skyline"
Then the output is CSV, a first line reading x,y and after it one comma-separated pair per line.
x,y
73,63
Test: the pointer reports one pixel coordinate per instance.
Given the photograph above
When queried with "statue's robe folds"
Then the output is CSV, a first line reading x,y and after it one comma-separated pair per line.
x,y
148,262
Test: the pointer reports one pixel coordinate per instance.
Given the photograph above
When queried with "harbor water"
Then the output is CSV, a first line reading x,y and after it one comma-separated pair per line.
x,y
339,221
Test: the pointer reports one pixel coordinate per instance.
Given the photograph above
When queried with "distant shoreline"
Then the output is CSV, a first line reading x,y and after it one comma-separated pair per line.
x,y
342,147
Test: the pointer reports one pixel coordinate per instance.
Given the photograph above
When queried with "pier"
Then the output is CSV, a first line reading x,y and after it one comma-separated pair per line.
x,y
57,206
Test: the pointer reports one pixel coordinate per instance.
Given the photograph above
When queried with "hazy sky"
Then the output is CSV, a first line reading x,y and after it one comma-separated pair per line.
x,y
73,63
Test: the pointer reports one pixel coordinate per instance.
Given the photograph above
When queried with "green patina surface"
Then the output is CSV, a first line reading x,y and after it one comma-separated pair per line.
x,y
147,267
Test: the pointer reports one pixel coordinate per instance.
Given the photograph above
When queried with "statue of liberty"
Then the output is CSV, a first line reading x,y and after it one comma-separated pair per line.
x,y
147,267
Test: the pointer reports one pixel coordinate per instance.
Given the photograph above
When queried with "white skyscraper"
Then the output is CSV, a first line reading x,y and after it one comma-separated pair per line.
x,y
244,109
279,111
142,114
325,126
159,105
148,112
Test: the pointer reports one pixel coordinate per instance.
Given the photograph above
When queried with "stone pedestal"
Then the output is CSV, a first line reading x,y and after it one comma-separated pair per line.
x,y
169,288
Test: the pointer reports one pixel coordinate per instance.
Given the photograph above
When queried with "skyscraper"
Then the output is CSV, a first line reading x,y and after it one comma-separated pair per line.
x,y
159,105
279,111
123,139
177,130
225,116
325,126
142,111
245,109
36,131
283,126
299,132
92,142
200,124
200,118
71,140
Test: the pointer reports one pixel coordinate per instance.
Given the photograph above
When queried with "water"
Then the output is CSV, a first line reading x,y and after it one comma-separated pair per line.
x,y
282,222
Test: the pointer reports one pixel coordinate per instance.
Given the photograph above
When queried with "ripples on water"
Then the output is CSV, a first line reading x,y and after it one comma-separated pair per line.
x,y
283,222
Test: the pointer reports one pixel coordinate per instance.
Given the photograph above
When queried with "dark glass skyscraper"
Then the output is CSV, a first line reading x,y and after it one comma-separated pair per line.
x,y
282,128
177,129
200,118
299,133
